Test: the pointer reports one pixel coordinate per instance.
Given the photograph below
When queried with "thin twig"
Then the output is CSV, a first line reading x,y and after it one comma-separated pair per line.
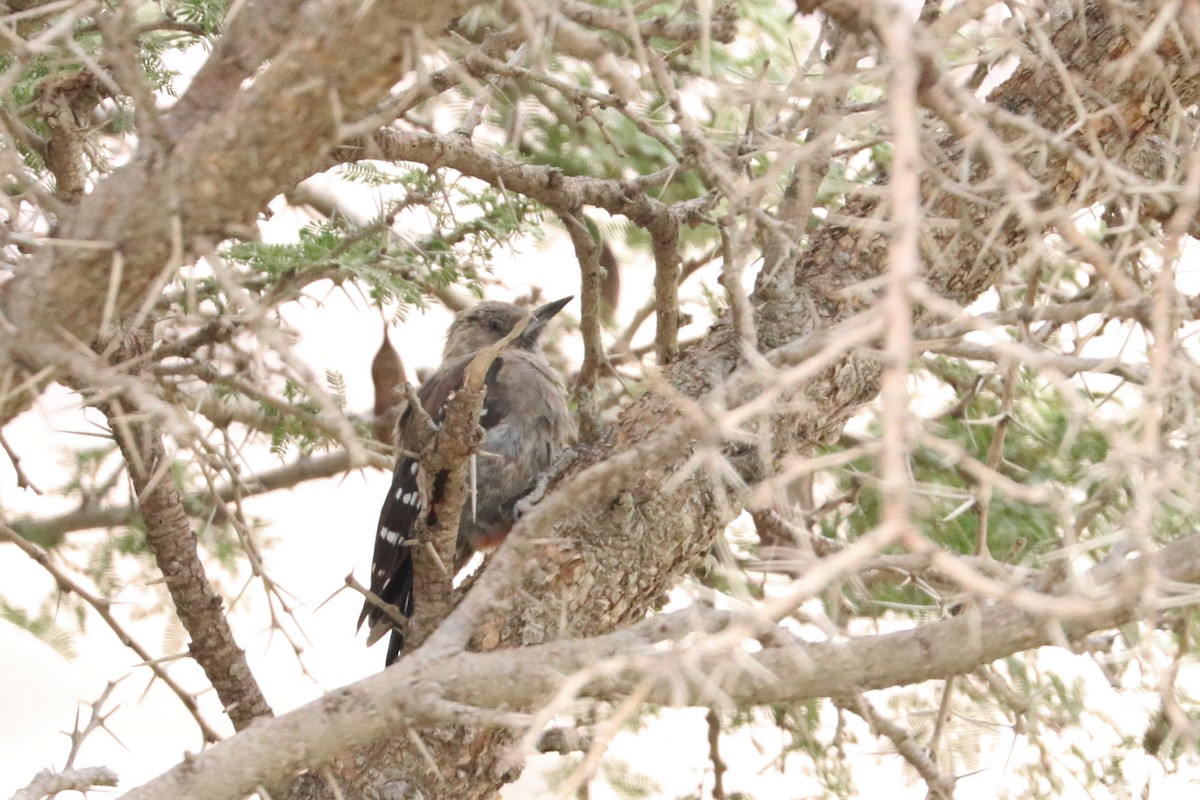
x,y
23,481
941,786
587,252
713,719
102,606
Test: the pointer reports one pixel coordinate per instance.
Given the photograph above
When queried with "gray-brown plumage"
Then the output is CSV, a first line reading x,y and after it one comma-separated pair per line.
x,y
526,423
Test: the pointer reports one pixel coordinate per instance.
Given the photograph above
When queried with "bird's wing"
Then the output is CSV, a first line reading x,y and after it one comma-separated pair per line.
x,y
526,423
391,565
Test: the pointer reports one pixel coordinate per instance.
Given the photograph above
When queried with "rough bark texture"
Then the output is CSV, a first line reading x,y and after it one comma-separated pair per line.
x,y
170,537
180,196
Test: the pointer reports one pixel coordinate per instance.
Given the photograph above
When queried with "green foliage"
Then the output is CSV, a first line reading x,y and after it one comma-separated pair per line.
x,y
468,223
336,385
420,182
326,249
160,36
26,85
205,13
626,782
616,773
295,429
1111,773
42,625
1044,445
87,477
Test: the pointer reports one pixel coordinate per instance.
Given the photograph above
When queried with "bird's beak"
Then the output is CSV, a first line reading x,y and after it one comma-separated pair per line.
x,y
543,314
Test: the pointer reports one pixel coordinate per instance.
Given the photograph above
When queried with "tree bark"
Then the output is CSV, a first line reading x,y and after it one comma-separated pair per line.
x,y
171,539
184,193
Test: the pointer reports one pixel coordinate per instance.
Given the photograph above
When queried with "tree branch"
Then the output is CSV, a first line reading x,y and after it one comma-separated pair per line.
x,y
170,538
433,683
50,531
249,38
163,207
103,607
587,253
49,782
941,786
547,185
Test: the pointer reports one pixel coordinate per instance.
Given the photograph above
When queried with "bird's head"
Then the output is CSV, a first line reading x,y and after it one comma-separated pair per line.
x,y
490,321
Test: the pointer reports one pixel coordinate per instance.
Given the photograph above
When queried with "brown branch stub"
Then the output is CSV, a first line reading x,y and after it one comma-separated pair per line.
x,y
387,373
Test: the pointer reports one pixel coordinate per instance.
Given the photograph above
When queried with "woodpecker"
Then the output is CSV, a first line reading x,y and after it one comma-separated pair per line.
x,y
526,424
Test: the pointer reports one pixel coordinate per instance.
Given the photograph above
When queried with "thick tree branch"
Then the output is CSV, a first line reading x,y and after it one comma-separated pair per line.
x,y
664,239
432,684
141,222
250,37
66,104
169,536
1014,353
720,27
547,185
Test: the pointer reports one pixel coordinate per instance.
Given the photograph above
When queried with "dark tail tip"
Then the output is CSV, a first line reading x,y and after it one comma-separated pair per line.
x,y
395,646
